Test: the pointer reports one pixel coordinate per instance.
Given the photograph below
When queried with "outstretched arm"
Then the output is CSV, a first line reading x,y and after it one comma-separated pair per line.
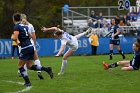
x,y
44,29
60,50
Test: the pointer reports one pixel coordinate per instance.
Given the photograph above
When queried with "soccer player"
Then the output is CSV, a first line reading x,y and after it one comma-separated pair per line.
x,y
66,40
114,39
134,64
33,41
27,50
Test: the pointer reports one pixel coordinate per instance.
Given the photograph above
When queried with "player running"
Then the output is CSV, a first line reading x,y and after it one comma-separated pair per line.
x,y
33,41
66,40
27,50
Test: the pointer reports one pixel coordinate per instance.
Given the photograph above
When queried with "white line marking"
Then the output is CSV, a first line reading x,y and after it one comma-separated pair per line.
x,y
20,83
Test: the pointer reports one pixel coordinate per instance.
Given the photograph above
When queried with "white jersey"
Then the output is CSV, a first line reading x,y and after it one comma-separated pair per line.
x,y
30,30
69,40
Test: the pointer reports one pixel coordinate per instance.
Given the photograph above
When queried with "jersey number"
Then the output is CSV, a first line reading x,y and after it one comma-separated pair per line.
x,y
26,32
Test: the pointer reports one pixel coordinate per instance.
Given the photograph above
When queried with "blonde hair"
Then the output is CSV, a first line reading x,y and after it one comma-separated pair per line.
x,y
24,19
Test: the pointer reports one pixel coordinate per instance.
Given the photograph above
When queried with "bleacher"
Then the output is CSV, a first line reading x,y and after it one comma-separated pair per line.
x,y
75,24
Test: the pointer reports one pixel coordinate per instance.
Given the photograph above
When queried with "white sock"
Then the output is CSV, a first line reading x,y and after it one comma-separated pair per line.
x,y
80,35
25,67
37,62
64,63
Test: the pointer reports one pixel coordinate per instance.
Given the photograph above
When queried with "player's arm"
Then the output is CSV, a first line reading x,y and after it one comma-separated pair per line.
x,y
34,37
117,33
44,29
60,50
15,36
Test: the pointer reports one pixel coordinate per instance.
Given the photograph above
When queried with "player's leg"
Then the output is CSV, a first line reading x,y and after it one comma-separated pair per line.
x,y
129,68
17,50
111,51
84,33
30,56
64,61
13,49
24,72
37,62
116,64
120,51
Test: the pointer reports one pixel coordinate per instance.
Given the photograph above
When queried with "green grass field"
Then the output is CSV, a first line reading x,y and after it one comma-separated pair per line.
x,y
84,74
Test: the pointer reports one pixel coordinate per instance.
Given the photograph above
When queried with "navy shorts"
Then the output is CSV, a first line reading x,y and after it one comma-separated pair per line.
x,y
135,62
27,54
115,42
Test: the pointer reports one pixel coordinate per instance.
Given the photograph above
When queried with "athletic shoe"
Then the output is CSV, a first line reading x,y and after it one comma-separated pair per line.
x,y
40,75
27,84
88,31
60,73
105,65
49,71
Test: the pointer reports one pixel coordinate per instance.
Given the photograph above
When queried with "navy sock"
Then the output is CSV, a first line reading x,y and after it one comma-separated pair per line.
x,y
24,74
113,65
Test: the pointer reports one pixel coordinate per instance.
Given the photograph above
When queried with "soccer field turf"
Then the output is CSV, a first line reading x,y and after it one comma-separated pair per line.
x,y
84,74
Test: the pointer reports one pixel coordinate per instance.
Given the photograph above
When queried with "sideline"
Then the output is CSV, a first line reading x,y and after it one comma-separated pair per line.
x,y
19,83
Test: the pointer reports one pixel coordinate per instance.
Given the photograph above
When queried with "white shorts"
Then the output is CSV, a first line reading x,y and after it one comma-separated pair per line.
x,y
74,45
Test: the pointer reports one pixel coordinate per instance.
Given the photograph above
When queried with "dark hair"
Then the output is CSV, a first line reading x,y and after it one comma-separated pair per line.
x,y
138,40
137,44
58,33
17,17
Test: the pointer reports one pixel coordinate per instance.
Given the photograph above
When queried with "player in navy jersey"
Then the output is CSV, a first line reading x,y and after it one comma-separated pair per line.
x,y
134,64
114,39
27,50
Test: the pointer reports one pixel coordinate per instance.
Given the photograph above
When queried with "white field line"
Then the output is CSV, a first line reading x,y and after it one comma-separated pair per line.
x,y
19,83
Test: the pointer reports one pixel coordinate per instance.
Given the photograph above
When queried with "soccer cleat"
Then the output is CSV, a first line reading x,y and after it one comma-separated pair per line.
x,y
40,76
60,73
88,31
49,71
27,84
105,66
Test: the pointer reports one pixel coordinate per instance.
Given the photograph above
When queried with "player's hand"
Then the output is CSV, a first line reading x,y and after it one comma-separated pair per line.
x,y
44,29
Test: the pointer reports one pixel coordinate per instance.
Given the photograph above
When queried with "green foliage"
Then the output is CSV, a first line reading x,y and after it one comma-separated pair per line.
x,y
42,12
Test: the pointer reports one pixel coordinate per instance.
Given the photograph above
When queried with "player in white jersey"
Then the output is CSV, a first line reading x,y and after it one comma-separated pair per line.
x,y
66,40
31,30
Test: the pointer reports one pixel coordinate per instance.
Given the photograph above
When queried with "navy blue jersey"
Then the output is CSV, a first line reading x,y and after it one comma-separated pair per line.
x,y
113,29
23,35
135,62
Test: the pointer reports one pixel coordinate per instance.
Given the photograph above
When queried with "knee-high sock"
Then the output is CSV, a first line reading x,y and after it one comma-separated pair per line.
x,y
121,52
80,35
64,63
24,74
37,62
113,65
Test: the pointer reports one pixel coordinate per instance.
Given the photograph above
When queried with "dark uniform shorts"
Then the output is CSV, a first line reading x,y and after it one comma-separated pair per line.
x,y
115,42
27,54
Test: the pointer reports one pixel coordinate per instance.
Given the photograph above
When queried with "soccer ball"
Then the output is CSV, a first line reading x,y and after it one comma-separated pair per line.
x,y
138,3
